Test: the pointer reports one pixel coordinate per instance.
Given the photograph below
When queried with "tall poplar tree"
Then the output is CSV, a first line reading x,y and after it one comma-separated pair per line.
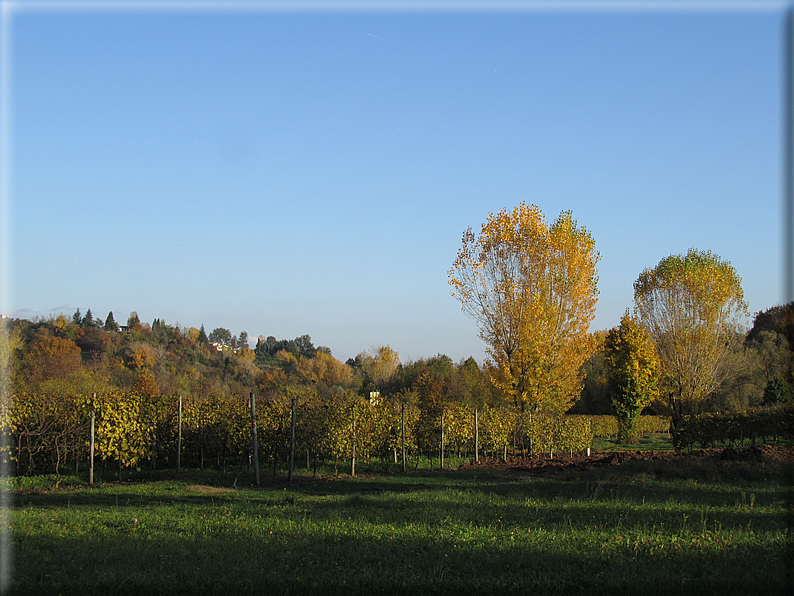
x,y
694,310
531,287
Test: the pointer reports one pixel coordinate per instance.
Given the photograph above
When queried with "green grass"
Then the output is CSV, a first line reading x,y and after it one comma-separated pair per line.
x,y
654,442
685,526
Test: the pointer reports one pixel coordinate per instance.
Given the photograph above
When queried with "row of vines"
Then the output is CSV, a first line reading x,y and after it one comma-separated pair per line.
x,y
50,433
757,425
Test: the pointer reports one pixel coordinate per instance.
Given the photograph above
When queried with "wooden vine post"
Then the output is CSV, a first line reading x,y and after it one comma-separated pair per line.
x,y
403,435
442,438
292,442
476,435
91,456
254,442
179,439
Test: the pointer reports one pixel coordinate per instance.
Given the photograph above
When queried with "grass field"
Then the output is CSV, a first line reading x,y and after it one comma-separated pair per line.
x,y
692,525
654,442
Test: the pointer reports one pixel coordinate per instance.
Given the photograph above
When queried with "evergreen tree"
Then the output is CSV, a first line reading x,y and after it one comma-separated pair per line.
x,y
776,392
203,335
242,341
77,317
110,323
88,319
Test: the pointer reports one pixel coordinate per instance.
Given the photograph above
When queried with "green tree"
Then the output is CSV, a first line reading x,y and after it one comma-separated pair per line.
x,y
305,346
634,374
773,356
242,341
776,392
110,323
532,289
221,335
779,319
744,386
694,311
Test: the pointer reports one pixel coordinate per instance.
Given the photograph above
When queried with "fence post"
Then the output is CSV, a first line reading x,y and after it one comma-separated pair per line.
x,y
254,442
292,442
442,438
91,466
476,435
179,440
403,435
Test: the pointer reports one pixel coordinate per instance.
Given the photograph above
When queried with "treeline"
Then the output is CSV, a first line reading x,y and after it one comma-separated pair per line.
x,y
760,372
139,372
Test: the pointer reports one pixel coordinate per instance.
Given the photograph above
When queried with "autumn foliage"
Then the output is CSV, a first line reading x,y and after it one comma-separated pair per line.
x,y
531,287
634,374
693,309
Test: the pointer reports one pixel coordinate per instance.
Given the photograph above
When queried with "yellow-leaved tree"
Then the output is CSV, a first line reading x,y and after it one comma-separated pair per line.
x,y
531,287
633,374
694,310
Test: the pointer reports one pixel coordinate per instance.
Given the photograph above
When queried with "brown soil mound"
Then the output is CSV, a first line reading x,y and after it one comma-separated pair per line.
x,y
542,465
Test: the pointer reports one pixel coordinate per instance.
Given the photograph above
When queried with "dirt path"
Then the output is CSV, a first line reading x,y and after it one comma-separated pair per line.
x,y
545,466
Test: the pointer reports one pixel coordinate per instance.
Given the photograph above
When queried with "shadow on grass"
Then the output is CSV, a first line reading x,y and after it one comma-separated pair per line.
x,y
321,562
643,526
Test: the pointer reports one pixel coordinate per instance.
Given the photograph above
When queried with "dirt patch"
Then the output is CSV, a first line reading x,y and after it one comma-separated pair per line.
x,y
208,490
542,465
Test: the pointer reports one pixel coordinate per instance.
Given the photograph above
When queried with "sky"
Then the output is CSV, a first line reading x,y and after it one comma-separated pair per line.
x,y
290,172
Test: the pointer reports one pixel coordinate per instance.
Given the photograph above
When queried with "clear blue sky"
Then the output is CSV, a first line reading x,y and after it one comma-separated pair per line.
x,y
313,172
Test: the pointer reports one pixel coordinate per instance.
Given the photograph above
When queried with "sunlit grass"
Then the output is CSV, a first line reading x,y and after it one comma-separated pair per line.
x,y
654,442
623,530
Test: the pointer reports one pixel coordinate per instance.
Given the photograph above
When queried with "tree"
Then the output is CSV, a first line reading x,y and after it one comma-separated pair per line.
x,y
532,290
305,346
693,309
242,341
595,398
633,376
379,366
10,343
779,319
110,323
221,335
77,317
51,358
776,392
324,369
133,320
